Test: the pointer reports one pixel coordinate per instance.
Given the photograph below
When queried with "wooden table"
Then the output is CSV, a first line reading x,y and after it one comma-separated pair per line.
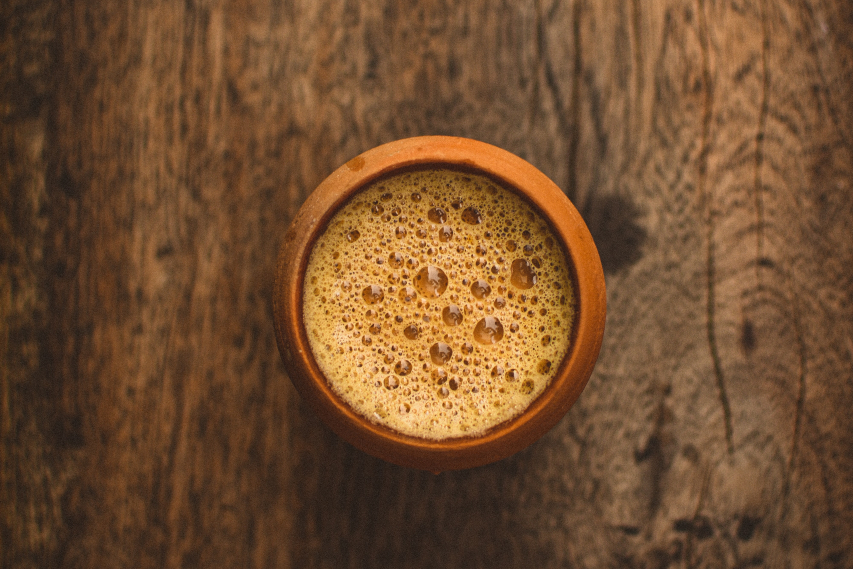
x,y
152,156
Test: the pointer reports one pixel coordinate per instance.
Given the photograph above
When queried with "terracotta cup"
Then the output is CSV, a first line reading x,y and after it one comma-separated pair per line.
x,y
510,171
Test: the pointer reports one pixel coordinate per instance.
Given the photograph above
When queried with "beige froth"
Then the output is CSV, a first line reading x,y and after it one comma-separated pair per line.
x,y
438,304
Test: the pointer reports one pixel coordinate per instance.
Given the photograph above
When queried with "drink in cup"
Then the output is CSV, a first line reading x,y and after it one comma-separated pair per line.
x,y
439,302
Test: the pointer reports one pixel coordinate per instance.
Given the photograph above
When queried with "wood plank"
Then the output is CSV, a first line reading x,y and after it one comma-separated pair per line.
x,y
152,157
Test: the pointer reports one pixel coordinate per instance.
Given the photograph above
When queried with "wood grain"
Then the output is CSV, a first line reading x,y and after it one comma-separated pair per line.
x,y
153,155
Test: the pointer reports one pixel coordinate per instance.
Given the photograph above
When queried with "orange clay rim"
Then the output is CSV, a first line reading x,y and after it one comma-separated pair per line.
x,y
512,172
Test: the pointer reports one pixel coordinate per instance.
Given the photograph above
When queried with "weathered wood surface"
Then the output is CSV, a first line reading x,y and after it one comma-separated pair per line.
x,y
152,156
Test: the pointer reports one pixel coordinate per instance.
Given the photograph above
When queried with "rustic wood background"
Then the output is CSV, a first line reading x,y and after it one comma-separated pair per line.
x,y
152,156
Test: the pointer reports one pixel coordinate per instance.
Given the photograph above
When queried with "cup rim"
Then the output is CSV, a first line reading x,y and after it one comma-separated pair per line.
x,y
512,172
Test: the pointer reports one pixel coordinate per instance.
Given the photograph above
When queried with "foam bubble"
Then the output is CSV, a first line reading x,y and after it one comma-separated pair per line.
x,y
431,281
438,303
489,330
372,294
480,289
440,353
452,315
472,216
437,215
522,274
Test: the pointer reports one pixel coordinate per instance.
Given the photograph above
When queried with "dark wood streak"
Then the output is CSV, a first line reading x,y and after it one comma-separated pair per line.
x,y
575,101
759,139
637,46
708,196
798,410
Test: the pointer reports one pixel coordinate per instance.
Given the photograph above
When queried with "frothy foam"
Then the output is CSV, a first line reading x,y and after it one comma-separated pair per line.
x,y
438,303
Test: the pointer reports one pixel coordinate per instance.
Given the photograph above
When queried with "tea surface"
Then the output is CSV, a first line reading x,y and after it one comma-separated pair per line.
x,y
438,303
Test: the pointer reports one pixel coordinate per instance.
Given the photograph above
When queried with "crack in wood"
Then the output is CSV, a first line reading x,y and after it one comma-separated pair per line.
x,y
639,79
759,141
574,140
710,273
568,127
541,67
798,411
